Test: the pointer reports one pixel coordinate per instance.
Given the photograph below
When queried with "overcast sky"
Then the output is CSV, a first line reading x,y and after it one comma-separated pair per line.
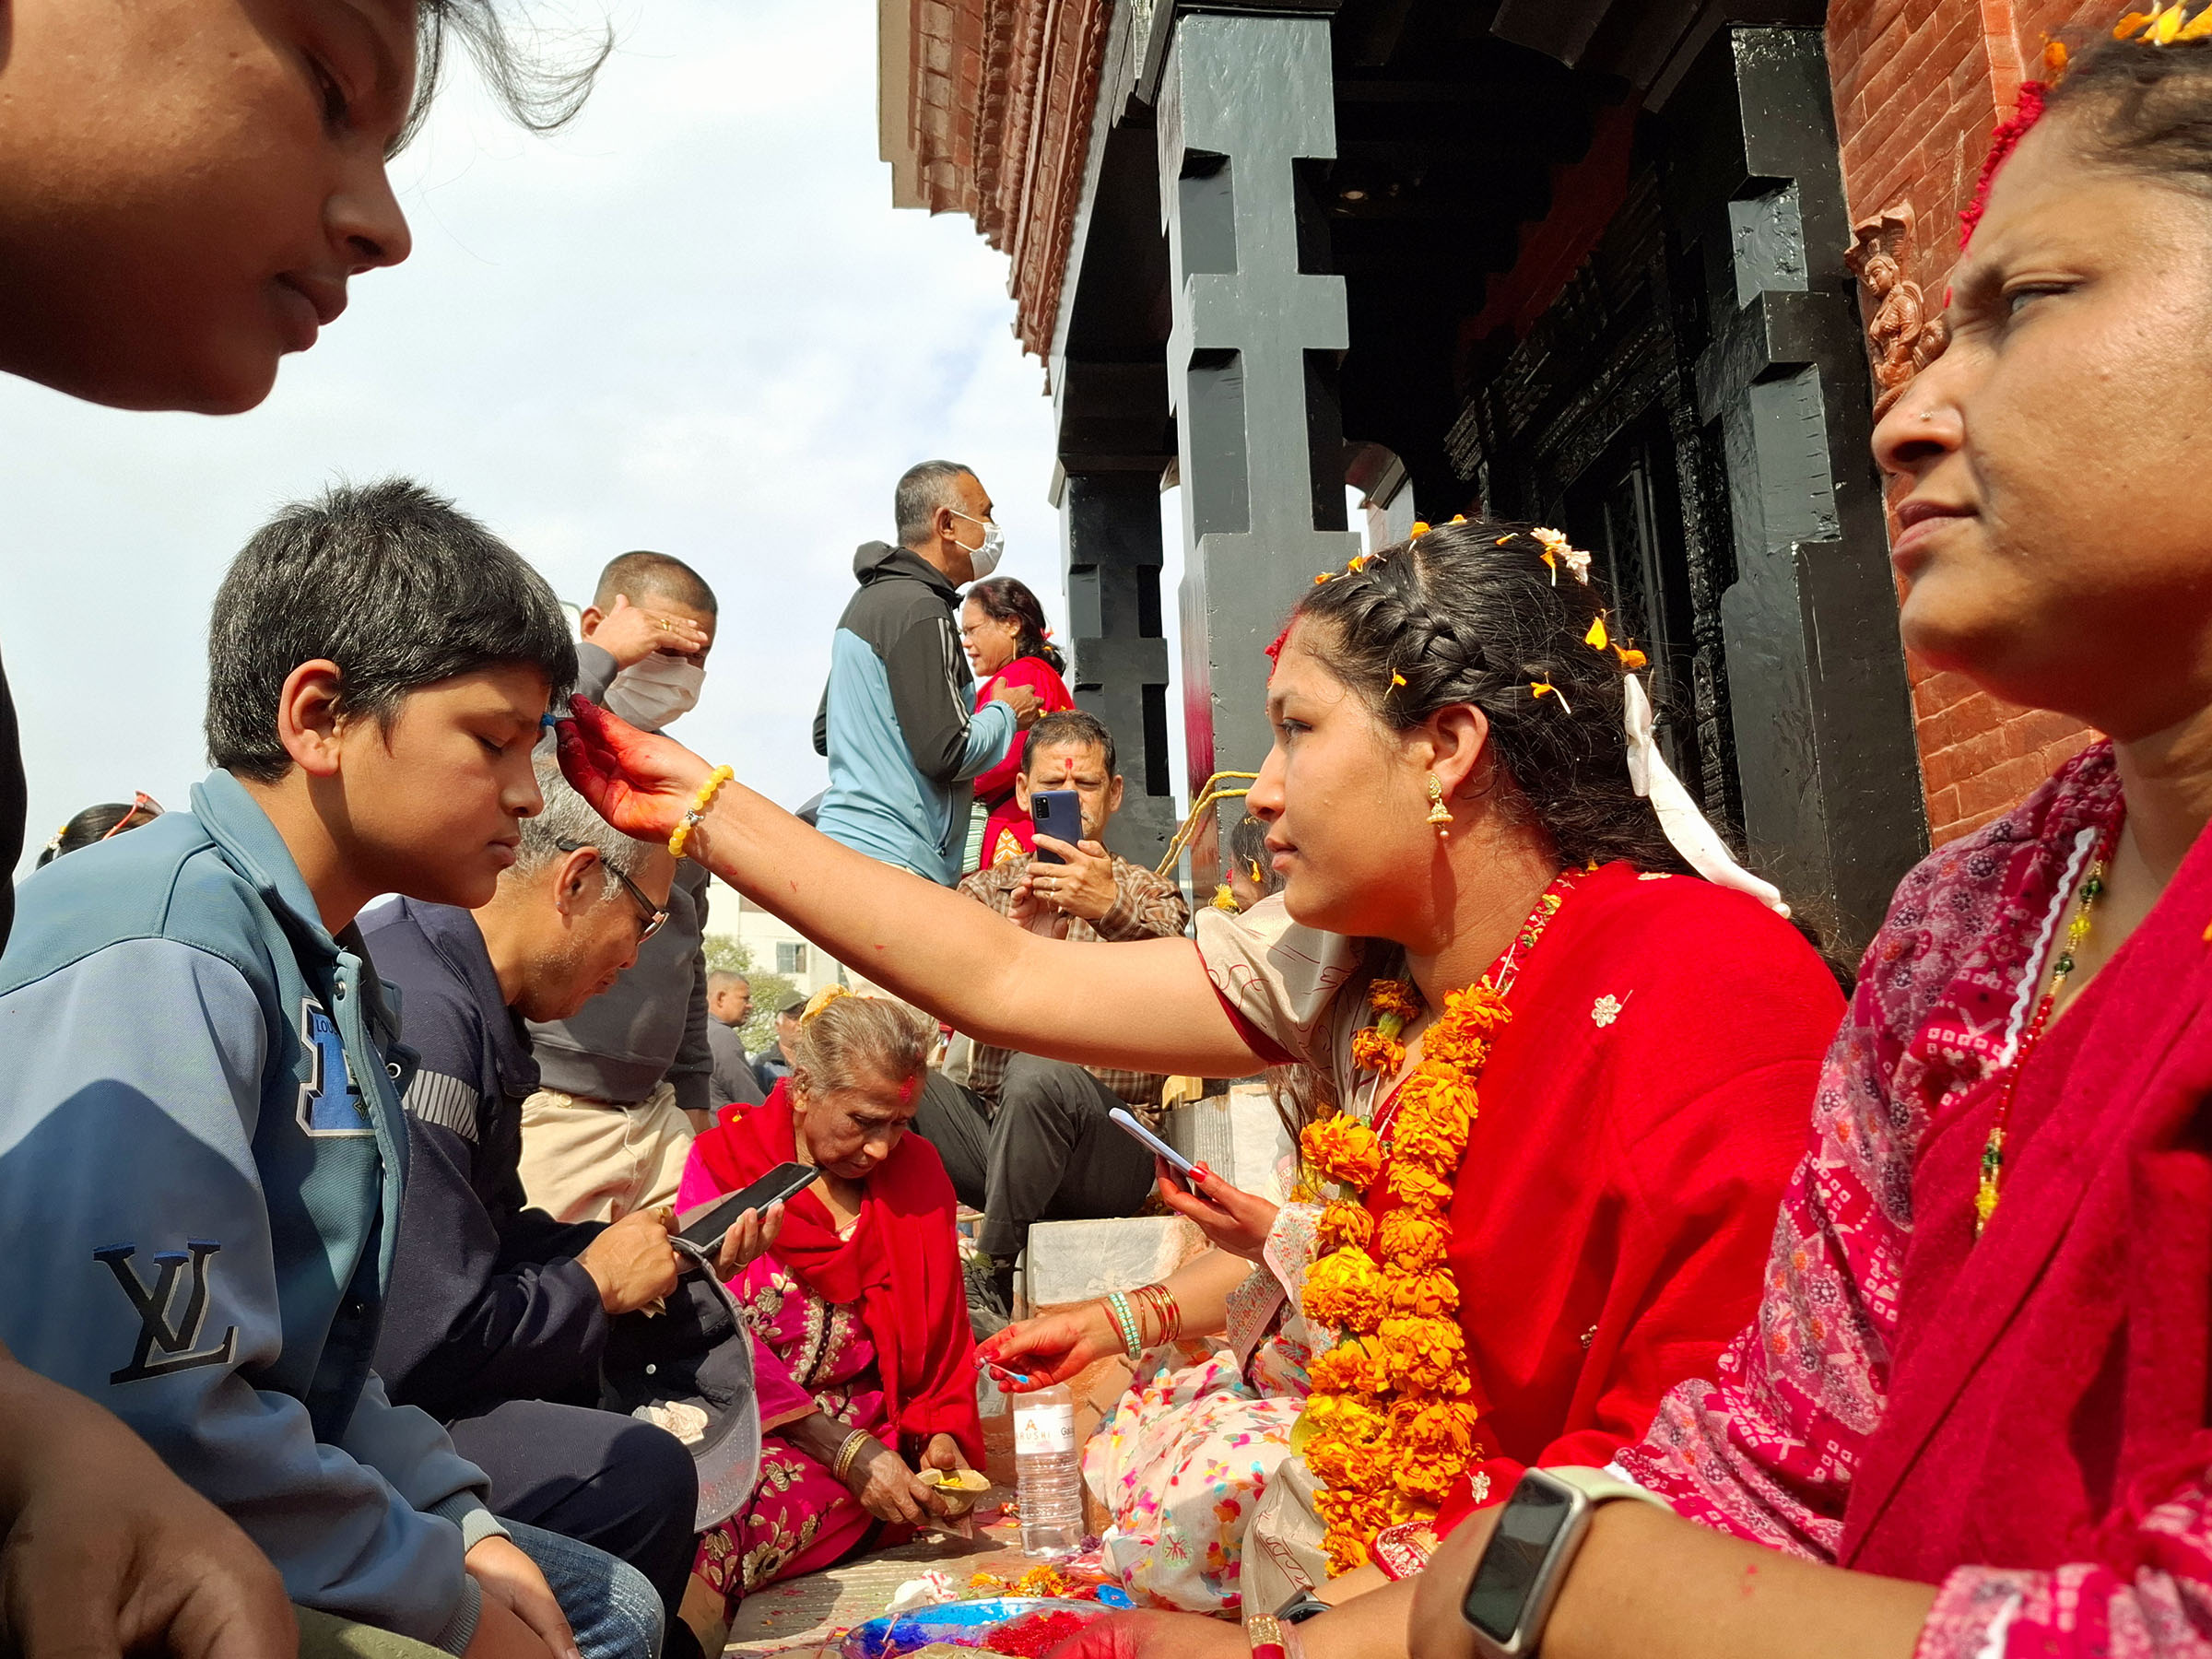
x,y
692,322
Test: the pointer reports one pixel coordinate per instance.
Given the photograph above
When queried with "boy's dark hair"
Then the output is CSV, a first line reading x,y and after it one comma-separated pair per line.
x,y
541,96
1069,726
642,575
396,585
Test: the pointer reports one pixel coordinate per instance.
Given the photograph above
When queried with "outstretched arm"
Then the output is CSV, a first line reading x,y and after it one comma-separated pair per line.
x,y
1147,1005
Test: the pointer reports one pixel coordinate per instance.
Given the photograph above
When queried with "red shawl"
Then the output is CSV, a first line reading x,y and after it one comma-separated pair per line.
x,y
901,1265
2048,1383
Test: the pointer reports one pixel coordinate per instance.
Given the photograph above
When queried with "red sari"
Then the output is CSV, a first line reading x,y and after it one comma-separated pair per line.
x,y
2022,1421
994,789
1640,1113
871,1329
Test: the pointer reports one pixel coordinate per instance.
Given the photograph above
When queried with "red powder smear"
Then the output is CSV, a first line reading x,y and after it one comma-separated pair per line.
x,y
1035,1637
1275,652
2002,143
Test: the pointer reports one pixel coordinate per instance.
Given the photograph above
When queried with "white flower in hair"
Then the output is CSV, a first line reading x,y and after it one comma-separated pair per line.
x,y
1557,550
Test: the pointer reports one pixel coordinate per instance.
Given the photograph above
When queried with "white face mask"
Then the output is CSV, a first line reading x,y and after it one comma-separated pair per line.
x,y
983,556
653,692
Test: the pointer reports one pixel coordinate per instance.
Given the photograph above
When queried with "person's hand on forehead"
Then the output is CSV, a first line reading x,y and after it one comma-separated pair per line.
x,y
630,632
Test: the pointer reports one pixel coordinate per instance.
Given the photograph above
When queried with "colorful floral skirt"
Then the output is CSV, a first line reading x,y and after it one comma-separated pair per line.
x,y
801,1520
1181,1465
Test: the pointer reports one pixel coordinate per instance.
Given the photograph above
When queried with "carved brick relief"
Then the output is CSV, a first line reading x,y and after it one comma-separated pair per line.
x,y
1901,336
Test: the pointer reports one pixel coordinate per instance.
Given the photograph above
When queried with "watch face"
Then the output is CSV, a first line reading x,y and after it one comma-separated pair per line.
x,y
1528,1526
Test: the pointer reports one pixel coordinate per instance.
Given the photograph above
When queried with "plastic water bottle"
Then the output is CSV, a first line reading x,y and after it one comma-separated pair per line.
x,y
1047,1472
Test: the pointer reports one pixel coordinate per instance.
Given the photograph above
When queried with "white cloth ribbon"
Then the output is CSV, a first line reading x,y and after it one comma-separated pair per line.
x,y
1685,826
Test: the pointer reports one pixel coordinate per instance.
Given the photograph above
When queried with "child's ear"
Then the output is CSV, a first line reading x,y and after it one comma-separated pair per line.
x,y
307,717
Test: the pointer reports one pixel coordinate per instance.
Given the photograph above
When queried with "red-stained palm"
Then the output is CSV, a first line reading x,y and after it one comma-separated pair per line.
x,y
640,782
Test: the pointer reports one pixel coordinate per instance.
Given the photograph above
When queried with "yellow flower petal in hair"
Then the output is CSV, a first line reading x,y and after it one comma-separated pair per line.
x,y
2197,30
1420,528
1545,688
1322,577
1355,564
1631,659
1596,638
2169,23
2133,24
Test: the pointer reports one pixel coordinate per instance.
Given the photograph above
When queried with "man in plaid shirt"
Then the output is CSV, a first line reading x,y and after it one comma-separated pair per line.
x,y
1031,1138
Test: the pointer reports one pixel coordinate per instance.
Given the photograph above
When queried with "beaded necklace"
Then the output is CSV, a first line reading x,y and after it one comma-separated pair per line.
x,y
1989,1189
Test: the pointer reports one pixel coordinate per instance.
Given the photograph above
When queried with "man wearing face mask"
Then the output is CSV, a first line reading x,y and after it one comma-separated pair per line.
x,y
896,721
624,1082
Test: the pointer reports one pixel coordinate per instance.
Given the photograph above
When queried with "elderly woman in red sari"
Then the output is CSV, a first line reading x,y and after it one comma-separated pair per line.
x,y
1477,890
863,1353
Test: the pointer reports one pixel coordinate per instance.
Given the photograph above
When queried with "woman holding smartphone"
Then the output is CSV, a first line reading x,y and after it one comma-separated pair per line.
x,y
1478,898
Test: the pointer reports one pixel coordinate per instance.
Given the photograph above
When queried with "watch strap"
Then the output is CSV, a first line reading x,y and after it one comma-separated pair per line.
x,y
1602,1485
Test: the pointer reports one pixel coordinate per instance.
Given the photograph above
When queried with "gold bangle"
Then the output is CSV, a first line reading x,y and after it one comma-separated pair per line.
x,y
704,799
849,1451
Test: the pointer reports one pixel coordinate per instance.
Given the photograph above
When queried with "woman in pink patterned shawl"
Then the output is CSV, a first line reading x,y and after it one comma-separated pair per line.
x,y
1972,1418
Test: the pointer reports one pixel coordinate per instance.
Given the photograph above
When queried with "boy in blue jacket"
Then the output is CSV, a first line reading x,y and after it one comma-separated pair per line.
x,y
201,1142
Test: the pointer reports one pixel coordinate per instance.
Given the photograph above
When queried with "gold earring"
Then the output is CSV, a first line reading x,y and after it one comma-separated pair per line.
x,y
1439,814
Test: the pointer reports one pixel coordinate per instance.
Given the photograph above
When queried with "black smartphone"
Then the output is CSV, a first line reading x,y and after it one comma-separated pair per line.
x,y
1059,814
705,1224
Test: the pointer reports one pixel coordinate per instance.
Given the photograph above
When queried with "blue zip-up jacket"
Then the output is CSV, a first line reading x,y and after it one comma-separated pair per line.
x,y
898,719
201,1157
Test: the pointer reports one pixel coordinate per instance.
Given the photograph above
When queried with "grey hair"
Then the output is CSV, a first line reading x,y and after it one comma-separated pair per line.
x,y
566,815
923,488
847,1037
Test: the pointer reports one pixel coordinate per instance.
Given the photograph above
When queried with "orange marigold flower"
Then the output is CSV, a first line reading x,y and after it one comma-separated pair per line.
x,y
1420,1352
1417,1185
1342,1224
1392,996
1424,1480
1345,1288
1349,1368
1432,1429
1372,1051
1429,1107
1410,1241
1343,1149
1419,1146
1429,1294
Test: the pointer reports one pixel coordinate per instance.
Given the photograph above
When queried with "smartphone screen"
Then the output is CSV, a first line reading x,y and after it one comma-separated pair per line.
x,y
1059,814
705,1224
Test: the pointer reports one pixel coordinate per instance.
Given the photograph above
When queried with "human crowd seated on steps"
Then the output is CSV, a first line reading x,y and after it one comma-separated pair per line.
x,y
729,1006
1473,863
626,1082
201,1113
499,1314
895,723
866,1364
1003,634
1027,1138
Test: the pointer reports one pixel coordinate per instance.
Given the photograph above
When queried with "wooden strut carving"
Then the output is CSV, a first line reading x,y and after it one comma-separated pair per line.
x,y
1900,336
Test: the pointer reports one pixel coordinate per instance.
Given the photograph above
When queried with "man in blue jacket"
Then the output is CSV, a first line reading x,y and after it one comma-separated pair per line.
x,y
499,1314
896,720
202,1149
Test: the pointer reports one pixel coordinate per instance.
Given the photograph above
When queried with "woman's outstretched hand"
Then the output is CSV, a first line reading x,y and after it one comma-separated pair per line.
x,y
640,782
1231,1217
1037,1353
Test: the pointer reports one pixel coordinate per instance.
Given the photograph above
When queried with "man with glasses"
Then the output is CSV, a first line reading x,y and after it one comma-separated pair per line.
x,y
497,1312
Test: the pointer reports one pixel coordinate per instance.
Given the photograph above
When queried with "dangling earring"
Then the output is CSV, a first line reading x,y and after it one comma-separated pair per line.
x,y
1439,814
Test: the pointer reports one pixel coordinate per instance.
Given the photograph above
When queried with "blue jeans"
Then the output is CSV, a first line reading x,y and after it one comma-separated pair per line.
x,y
611,1606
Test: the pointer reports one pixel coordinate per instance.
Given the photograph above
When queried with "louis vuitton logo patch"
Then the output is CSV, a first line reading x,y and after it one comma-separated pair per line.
x,y
167,1341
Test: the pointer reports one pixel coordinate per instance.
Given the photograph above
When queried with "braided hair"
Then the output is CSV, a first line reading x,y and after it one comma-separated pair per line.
x,y
1470,613
1008,599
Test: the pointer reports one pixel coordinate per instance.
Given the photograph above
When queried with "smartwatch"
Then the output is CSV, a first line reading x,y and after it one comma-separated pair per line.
x,y
1540,1530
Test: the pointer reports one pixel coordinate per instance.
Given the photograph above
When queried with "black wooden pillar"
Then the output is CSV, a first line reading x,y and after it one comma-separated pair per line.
x,y
1110,521
1816,676
1245,98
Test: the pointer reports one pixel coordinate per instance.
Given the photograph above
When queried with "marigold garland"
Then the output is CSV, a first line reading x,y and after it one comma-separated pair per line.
x,y
1390,1426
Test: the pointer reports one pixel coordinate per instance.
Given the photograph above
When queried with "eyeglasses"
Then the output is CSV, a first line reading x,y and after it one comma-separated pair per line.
x,y
655,917
141,804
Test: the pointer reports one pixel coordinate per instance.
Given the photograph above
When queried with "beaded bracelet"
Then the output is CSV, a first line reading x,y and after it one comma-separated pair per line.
x,y
1124,1321
705,798
849,1451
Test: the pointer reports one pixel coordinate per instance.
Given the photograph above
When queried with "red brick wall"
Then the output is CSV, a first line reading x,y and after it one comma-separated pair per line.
x,y
1920,85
